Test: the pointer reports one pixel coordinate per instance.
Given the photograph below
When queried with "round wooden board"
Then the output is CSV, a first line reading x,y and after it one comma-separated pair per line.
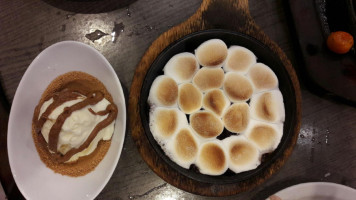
x,y
211,14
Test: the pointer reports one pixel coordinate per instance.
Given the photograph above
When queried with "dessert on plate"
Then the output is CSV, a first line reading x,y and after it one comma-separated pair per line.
x,y
73,123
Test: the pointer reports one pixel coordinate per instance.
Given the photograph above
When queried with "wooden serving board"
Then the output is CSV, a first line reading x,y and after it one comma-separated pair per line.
x,y
223,14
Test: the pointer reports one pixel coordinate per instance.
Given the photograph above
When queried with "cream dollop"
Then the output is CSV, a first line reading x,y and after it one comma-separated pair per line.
x,y
77,127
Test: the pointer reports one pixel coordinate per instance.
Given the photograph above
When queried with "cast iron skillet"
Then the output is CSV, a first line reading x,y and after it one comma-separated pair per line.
x,y
188,44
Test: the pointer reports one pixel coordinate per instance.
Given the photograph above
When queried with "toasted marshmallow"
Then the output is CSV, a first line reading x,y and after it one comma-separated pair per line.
x,y
266,136
206,78
206,124
212,158
211,53
165,122
239,59
182,67
183,147
163,92
262,77
189,98
236,117
268,106
237,87
243,155
215,101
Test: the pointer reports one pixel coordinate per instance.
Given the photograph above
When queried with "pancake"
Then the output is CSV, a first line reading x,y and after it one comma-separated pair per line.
x,y
215,101
182,67
262,77
239,59
237,87
79,81
165,122
183,147
211,53
266,136
163,92
236,117
189,98
268,106
243,155
206,79
212,158
206,124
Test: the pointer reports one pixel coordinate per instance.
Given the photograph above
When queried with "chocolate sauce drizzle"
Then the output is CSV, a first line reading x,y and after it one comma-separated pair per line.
x,y
73,91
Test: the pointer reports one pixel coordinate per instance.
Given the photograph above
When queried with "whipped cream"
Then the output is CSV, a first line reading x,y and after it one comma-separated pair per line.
x,y
77,127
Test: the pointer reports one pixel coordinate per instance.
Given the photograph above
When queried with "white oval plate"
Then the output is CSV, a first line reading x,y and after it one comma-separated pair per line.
x,y
32,177
317,191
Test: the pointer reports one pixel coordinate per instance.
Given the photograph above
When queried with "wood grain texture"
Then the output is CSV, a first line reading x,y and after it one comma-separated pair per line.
x,y
205,18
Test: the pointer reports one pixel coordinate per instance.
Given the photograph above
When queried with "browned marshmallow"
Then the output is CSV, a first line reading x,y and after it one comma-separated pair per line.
x,y
164,122
216,101
183,148
164,92
268,106
243,155
206,124
212,158
189,98
266,136
207,79
262,77
236,117
237,87
181,67
239,59
211,53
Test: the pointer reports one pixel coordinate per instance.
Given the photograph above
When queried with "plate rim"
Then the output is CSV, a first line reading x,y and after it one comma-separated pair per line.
x,y
16,100
314,184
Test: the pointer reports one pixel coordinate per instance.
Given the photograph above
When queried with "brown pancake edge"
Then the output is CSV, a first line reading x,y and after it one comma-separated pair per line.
x,y
84,164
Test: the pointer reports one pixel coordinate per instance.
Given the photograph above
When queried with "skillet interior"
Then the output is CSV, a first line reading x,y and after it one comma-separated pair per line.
x,y
188,44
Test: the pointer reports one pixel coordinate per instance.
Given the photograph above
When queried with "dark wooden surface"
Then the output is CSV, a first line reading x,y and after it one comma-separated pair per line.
x,y
325,150
204,19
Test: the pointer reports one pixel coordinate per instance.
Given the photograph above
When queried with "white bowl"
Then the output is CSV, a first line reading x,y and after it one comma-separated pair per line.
x,y
317,191
32,177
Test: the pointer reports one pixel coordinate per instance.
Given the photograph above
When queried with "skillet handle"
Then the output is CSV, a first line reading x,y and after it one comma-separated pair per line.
x,y
226,14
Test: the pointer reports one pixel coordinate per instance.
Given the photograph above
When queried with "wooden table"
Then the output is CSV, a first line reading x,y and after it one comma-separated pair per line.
x,y
325,150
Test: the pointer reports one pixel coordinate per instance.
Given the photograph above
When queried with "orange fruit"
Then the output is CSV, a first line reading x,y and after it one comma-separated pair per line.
x,y
340,42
